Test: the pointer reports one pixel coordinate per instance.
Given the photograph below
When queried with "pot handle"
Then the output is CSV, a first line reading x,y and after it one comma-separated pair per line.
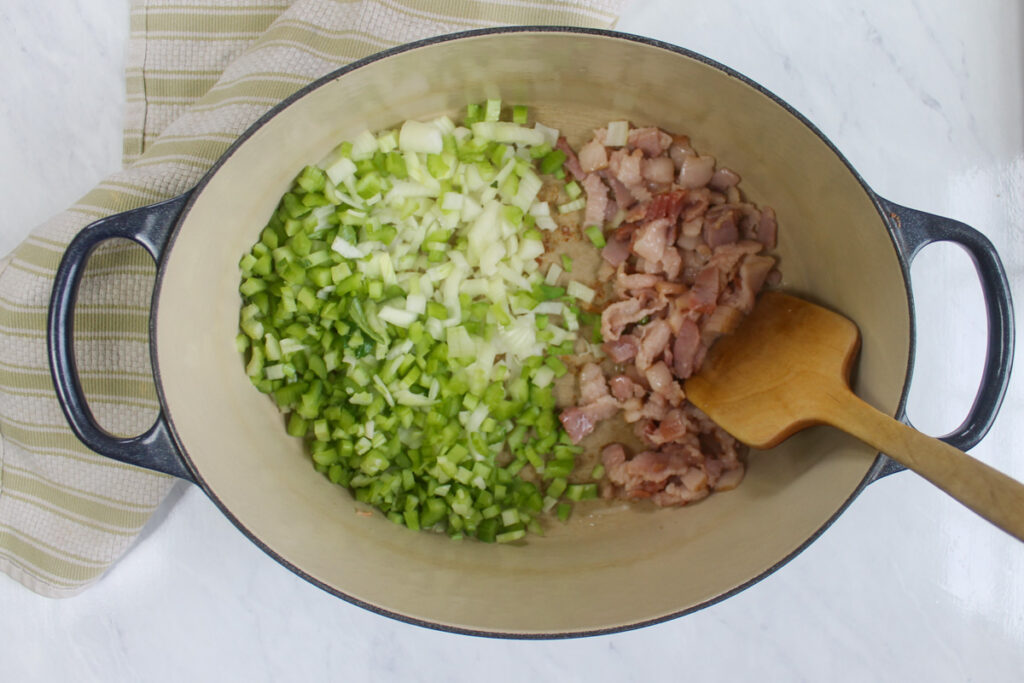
x,y
149,226
914,230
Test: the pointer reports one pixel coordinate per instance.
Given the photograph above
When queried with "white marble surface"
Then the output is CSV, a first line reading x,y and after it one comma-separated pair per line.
x,y
926,99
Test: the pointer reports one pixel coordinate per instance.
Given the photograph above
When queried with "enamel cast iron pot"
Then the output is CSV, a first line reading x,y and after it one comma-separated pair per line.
x,y
609,568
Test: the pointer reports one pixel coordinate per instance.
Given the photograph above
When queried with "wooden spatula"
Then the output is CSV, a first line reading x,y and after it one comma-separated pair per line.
x,y
787,367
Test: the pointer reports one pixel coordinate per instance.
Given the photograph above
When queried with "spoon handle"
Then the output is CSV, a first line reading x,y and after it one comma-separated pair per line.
x,y
987,491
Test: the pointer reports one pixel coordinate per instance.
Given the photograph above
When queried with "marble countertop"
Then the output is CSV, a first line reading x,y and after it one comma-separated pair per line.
x,y
925,99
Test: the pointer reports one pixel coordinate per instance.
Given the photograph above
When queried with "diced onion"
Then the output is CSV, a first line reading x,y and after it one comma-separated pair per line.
x,y
554,272
503,131
550,134
346,249
618,134
397,316
341,170
364,145
580,291
543,376
424,138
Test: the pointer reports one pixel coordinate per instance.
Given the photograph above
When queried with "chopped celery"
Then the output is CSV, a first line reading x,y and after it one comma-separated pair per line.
x,y
552,161
492,110
574,205
393,309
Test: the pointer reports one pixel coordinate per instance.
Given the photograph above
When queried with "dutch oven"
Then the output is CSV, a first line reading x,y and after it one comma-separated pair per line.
x,y
616,566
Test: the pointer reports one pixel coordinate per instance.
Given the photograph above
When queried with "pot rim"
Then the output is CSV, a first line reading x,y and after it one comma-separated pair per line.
x,y
879,467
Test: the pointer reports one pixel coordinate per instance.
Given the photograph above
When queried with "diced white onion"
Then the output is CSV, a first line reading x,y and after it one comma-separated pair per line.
x,y
452,201
460,344
543,376
549,308
530,249
403,189
400,349
504,131
364,146
274,371
424,138
416,303
618,134
529,185
444,124
345,248
341,170
574,205
476,418
387,269
435,328
387,141
396,316
290,346
550,134
580,291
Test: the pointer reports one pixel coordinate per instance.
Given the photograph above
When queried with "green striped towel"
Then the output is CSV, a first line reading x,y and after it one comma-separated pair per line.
x,y
199,73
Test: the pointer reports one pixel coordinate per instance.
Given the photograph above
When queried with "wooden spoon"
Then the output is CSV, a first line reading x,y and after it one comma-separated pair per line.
x,y
787,367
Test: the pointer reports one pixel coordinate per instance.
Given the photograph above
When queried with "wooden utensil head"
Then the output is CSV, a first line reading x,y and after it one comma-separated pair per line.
x,y
778,372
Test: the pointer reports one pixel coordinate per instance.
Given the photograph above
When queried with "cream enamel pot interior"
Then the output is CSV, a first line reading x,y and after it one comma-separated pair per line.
x,y
609,568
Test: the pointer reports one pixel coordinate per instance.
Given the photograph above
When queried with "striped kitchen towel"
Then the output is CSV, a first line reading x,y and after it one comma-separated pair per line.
x,y
199,73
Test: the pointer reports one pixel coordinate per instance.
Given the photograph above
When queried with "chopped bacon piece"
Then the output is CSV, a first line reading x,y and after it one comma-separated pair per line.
x,y
723,179
652,141
593,157
658,170
654,339
615,251
720,226
623,388
697,202
705,289
662,382
572,162
684,349
753,271
592,384
722,320
610,211
626,167
767,228
646,473
651,239
671,262
616,316
577,423
597,200
622,349
622,195
728,256
632,282
730,479
696,171
666,205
